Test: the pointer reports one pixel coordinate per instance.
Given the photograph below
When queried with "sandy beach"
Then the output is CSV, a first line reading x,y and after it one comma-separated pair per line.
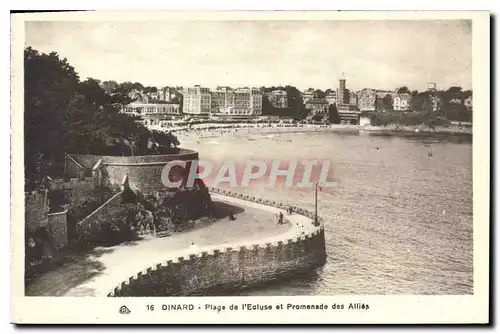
x,y
214,130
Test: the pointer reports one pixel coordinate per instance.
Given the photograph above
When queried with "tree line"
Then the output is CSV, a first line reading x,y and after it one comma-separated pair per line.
x,y
64,114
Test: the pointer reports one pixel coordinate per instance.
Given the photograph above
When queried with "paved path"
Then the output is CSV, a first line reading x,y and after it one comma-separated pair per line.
x,y
99,273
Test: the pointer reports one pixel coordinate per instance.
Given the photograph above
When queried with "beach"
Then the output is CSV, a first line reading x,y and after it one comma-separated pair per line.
x,y
214,130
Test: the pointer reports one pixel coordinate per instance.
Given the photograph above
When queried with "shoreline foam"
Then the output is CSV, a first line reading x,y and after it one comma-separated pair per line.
x,y
211,132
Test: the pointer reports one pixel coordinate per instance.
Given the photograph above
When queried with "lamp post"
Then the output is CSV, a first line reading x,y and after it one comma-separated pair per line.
x,y
316,203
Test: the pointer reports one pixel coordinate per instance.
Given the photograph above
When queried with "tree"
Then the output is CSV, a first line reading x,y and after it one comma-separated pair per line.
x,y
403,90
317,118
267,107
109,86
50,85
319,94
452,93
64,115
137,86
93,92
456,112
150,89
420,101
296,103
125,87
333,114
387,102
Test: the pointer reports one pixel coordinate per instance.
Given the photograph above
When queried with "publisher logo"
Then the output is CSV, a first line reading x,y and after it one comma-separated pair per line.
x,y
124,310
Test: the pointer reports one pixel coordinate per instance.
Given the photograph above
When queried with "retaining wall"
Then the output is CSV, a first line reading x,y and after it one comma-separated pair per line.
x,y
73,168
58,227
79,190
229,268
112,208
144,172
36,209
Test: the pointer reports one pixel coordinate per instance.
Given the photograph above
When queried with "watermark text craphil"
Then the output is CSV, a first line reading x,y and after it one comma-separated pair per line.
x,y
274,173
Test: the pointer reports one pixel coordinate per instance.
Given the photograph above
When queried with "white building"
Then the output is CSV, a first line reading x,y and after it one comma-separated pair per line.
x,y
196,100
240,101
331,97
402,102
309,95
152,109
468,103
279,98
367,100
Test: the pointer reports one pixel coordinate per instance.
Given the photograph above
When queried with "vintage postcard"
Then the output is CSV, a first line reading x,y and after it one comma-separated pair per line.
x,y
250,167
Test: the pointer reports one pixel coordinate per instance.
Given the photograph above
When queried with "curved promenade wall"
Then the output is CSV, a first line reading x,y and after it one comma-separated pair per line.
x,y
144,172
230,268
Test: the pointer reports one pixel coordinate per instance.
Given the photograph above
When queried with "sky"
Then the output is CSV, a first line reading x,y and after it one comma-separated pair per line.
x,y
370,54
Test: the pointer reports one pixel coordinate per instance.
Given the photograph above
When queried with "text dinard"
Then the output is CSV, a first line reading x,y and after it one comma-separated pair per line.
x,y
263,307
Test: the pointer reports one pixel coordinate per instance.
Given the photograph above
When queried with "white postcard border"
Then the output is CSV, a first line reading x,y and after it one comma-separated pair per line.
x,y
382,309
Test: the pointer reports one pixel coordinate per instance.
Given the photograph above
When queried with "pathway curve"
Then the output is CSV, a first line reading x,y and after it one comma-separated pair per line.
x,y
119,263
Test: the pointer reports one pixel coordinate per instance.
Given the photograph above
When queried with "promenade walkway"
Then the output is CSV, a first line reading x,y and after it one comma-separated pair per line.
x,y
99,272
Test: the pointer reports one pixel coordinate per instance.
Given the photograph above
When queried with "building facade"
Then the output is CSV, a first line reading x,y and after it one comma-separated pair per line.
x,y
240,101
402,102
342,94
353,101
278,99
256,101
367,100
165,94
468,103
330,96
308,95
197,100
138,96
431,86
152,109
317,107
435,103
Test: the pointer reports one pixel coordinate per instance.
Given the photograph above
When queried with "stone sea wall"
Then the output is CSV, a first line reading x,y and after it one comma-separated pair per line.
x,y
229,268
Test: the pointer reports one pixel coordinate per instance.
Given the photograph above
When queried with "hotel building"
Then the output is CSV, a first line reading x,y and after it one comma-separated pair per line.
x,y
330,96
197,100
152,109
308,95
402,102
146,106
367,100
236,102
317,107
278,99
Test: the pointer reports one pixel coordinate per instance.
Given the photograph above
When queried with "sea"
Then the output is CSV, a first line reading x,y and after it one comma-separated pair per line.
x,y
397,221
